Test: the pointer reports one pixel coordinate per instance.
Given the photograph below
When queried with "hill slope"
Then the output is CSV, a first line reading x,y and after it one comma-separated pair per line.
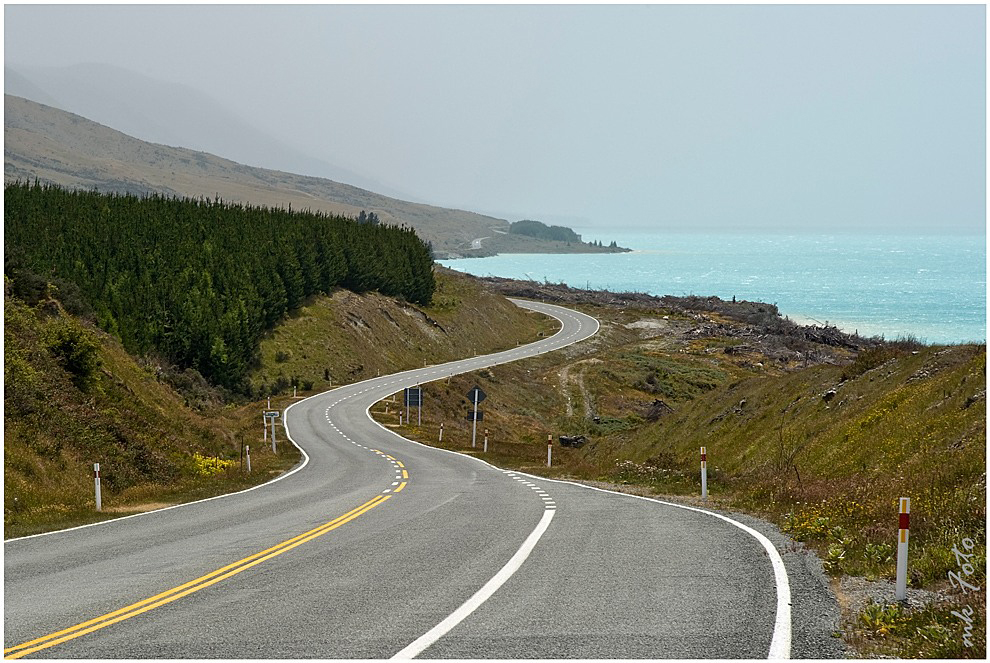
x,y
51,145
169,113
54,146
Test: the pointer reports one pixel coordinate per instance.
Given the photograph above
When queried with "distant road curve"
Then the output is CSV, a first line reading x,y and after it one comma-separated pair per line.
x,y
383,547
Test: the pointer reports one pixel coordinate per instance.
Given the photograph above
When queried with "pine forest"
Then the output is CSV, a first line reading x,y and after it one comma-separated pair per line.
x,y
200,281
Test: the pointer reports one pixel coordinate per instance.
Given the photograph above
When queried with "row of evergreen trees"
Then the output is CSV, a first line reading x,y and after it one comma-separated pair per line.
x,y
541,230
201,281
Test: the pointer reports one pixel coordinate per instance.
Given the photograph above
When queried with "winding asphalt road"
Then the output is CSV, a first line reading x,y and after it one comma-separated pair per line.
x,y
378,547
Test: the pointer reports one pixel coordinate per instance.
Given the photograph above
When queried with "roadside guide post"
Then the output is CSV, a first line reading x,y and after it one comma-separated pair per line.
x,y
441,433
474,418
99,492
549,448
247,450
704,474
903,526
264,422
486,440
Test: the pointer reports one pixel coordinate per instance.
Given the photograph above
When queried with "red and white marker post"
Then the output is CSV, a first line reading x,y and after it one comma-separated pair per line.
x,y
549,448
704,474
99,491
903,526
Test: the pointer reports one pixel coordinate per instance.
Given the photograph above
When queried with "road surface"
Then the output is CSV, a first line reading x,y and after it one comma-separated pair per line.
x,y
378,547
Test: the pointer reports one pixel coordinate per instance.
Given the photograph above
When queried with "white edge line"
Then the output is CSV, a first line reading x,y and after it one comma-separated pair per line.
x,y
780,643
478,598
297,468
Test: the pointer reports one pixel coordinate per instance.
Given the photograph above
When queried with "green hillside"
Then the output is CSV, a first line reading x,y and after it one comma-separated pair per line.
x,y
200,281
73,397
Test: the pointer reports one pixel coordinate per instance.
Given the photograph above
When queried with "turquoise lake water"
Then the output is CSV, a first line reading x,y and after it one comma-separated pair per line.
x,y
930,287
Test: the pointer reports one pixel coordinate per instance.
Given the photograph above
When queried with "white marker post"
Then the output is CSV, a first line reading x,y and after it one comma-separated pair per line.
x,y
549,448
441,433
99,492
247,449
400,418
273,436
704,474
904,522
486,440
474,421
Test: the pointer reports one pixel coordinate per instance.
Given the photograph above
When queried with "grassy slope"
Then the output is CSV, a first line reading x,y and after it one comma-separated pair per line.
x,y
352,337
136,427
829,472
140,429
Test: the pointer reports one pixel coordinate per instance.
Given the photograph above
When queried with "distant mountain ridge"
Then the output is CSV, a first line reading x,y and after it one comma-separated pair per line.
x,y
51,145
173,114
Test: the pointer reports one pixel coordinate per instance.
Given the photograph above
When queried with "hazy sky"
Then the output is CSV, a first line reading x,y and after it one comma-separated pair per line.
x,y
668,117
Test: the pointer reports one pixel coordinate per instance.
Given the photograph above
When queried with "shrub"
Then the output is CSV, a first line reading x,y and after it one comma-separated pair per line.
x,y
74,348
208,467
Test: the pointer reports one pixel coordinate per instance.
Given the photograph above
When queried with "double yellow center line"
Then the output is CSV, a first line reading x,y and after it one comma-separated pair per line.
x,y
202,582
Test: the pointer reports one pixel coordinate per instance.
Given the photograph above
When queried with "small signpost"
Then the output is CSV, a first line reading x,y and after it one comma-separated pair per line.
x,y
476,395
414,396
272,415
